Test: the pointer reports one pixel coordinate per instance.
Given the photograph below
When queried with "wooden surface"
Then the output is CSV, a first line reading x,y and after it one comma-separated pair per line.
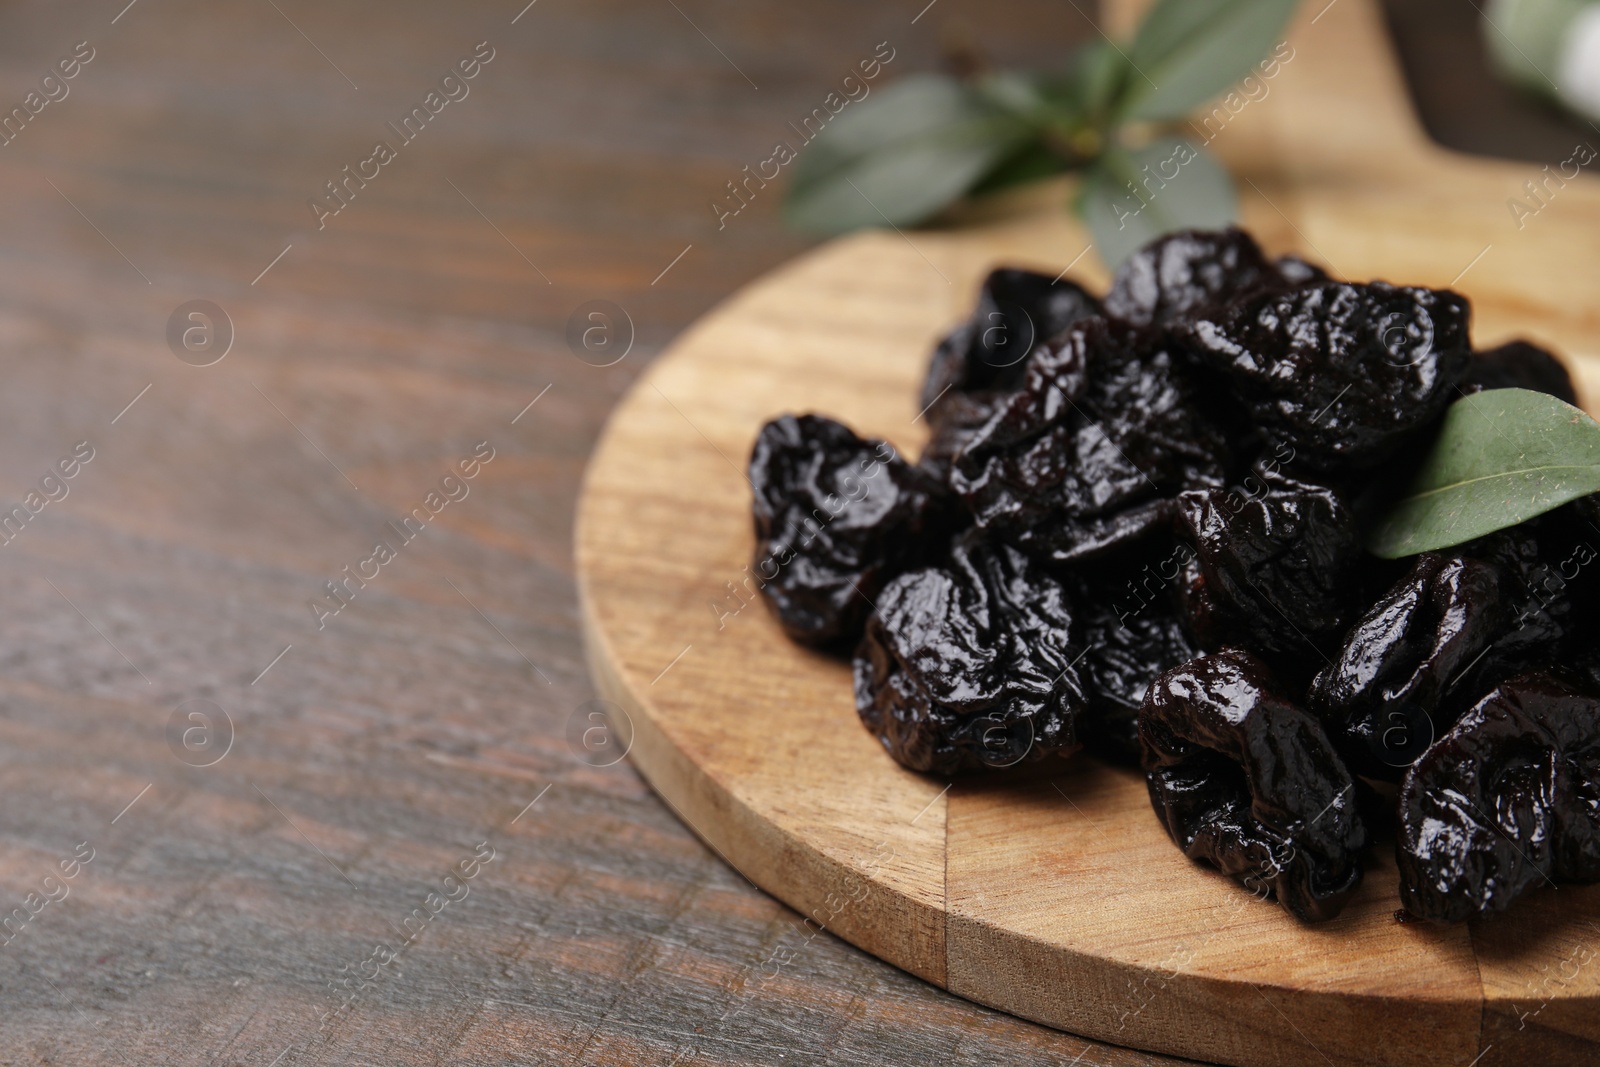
x,y
1060,899
207,927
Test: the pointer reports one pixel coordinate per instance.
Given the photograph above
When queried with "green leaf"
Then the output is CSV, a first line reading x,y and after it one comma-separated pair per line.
x,y
1501,457
900,156
1187,51
1021,94
1131,198
1101,74
1029,163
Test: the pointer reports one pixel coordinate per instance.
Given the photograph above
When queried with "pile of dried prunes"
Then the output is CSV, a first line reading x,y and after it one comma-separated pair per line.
x,y
1137,528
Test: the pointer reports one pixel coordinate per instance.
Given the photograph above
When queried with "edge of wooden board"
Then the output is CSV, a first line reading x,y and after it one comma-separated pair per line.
x,y
1398,206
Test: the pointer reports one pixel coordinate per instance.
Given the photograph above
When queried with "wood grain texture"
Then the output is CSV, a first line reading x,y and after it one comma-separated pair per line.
x,y
1060,898
206,930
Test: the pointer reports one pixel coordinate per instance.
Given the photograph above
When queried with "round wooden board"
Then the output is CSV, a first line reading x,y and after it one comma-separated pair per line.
x,y
1058,897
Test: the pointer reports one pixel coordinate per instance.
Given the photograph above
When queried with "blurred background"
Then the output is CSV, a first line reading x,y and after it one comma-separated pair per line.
x,y
344,763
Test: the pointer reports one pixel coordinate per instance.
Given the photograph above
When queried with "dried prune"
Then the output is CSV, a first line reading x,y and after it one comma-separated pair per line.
x,y
1132,632
1507,800
1185,273
968,664
1519,365
1394,686
1585,670
1112,423
1246,781
1277,567
961,416
836,516
1549,581
1136,527
1455,626
1342,374
1018,310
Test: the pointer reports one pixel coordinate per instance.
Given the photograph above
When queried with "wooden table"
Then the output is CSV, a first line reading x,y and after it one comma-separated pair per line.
x,y
284,802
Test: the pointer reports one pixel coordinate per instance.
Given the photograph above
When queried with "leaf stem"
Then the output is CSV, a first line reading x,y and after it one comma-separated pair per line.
x,y
1077,146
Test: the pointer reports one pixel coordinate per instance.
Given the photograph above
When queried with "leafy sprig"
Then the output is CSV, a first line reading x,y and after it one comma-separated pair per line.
x,y
1502,457
926,141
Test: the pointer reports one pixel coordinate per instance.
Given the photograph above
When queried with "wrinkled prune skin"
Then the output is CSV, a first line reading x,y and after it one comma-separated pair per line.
x,y
1396,683
836,516
1585,671
1112,423
968,665
1185,273
1131,633
1459,623
1247,782
1343,374
961,416
1507,800
1277,568
1017,311
1519,365
1550,579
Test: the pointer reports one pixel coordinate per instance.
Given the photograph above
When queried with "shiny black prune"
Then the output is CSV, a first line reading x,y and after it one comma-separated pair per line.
x,y
1085,441
1247,782
1507,800
1342,374
836,516
1277,568
961,416
1519,365
1111,424
968,664
1549,579
1132,632
1396,683
1456,625
1584,669
1184,273
1017,311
